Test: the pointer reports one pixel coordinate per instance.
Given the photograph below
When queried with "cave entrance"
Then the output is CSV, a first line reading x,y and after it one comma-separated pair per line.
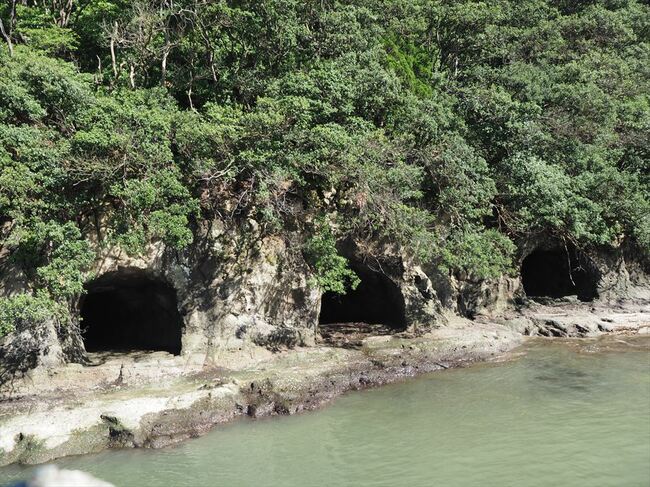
x,y
559,272
130,310
375,307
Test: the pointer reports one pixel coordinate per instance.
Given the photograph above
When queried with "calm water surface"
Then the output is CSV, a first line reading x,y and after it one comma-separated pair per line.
x,y
561,414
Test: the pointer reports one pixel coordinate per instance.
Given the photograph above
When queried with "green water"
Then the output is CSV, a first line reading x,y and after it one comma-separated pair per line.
x,y
561,414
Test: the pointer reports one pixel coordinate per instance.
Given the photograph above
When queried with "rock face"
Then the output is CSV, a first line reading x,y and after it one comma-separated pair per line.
x,y
231,292
622,276
604,276
487,296
235,293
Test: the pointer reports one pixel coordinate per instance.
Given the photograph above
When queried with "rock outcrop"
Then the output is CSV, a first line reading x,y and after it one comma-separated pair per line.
x,y
238,294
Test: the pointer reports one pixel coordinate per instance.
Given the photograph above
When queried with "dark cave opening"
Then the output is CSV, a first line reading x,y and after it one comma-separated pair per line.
x,y
559,272
376,306
129,310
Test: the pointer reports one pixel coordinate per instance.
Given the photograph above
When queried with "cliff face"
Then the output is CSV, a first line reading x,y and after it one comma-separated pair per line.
x,y
547,270
227,294
233,293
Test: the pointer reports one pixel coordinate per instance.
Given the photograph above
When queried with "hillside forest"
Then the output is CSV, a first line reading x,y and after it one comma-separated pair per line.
x,y
456,130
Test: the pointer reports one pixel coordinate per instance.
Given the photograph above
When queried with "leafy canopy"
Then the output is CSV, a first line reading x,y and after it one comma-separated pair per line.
x,y
455,129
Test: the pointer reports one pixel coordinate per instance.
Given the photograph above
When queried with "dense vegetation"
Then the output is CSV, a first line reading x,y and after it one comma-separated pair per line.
x,y
454,128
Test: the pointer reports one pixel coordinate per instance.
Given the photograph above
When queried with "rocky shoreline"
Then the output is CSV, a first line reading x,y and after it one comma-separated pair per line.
x,y
154,400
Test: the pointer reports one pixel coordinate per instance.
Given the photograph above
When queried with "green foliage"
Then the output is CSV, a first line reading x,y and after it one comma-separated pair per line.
x,y
479,253
25,310
67,255
545,197
36,28
451,129
154,208
331,269
413,64
558,113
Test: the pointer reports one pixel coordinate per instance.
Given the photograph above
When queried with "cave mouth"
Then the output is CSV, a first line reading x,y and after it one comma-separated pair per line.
x,y
375,307
559,272
129,310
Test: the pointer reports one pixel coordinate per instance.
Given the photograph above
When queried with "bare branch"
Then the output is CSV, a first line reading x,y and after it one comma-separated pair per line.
x,y
7,38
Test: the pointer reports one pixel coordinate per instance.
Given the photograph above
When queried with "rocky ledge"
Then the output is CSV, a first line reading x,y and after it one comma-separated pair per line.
x,y
154,400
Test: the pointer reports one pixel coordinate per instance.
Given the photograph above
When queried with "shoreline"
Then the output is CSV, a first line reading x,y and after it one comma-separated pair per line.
x,y
155,401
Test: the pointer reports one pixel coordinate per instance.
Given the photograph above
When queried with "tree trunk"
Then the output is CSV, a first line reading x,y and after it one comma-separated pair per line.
x,y
7,38
164,65
100,75
113,59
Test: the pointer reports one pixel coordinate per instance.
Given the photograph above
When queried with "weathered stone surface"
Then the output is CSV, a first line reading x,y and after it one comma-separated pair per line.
x,y
71,417
487,296
622,277
235,292
572,319
241,295
622,280
422,307
227,299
